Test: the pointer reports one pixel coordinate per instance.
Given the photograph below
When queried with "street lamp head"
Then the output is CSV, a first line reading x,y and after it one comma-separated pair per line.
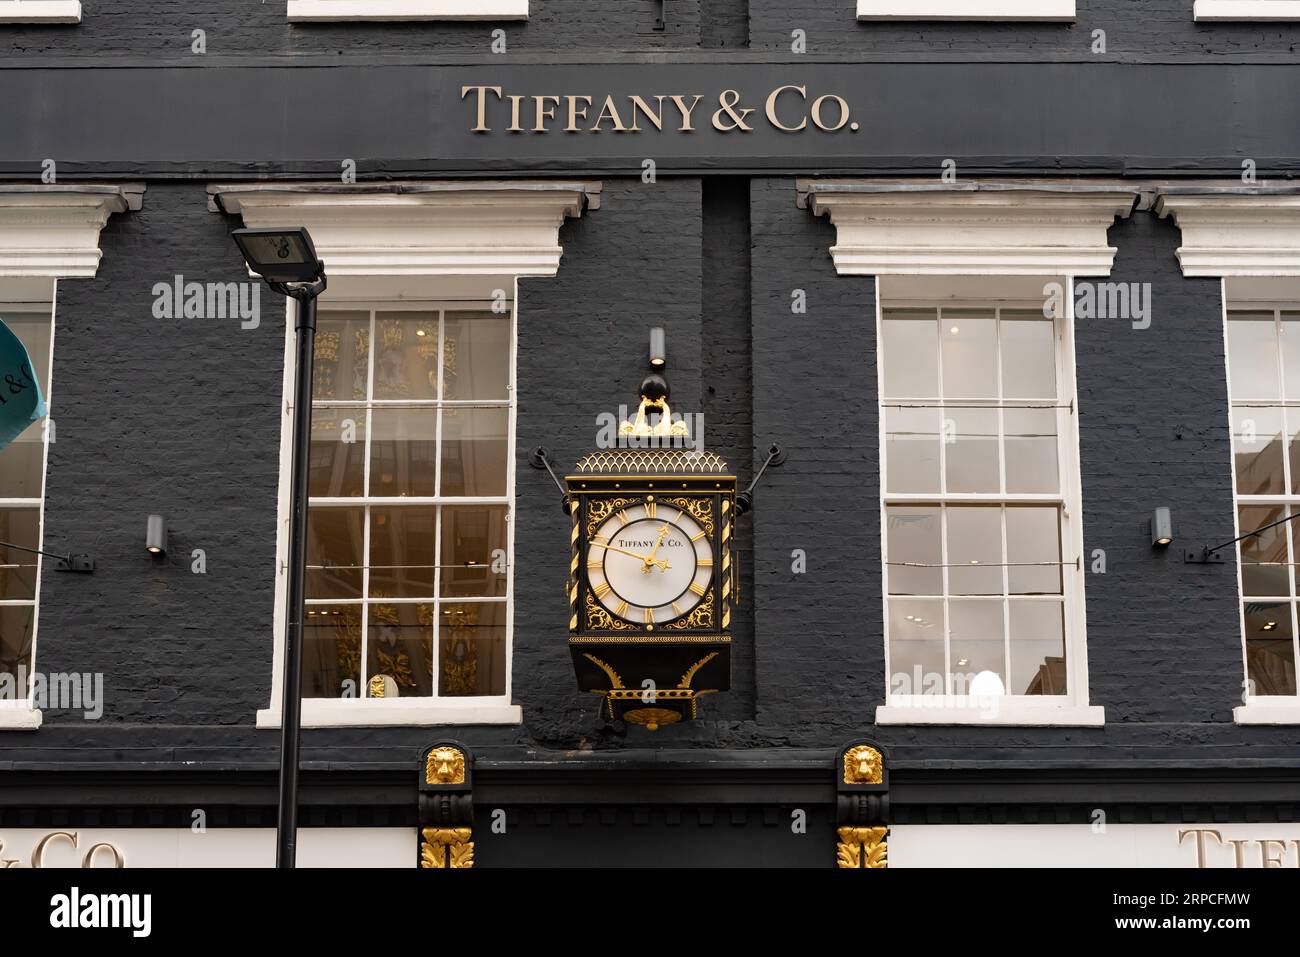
x,y
280,255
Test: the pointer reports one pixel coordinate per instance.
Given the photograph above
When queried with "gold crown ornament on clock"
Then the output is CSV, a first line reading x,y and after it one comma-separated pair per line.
x,y
652,572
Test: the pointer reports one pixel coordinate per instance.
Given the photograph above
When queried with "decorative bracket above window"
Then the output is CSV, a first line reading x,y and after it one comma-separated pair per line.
x,y
54,230
430,228
978,228
1235,230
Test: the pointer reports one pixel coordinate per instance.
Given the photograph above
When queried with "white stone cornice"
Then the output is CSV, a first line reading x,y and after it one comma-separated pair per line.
x,y
1060,10
453,228
999,229
1237,232
54,230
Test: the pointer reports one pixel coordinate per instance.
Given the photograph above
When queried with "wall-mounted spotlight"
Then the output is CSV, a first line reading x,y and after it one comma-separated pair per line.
x,y
658,352
155,539
1162,528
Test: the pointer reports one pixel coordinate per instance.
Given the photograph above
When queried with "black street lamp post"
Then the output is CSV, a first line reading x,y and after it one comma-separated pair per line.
x,y
286,259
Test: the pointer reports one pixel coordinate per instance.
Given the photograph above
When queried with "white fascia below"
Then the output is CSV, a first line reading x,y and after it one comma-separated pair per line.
x,y
40,11
306,10
1060,10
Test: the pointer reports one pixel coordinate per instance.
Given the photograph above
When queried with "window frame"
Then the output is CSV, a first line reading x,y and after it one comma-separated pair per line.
x,y
22,713
364,711
1211,11
1266,709
399,10
1060,11
1071,708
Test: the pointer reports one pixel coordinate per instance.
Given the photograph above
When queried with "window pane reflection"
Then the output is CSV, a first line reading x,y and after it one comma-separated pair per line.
x,y
473,551
1037,647
399,648
476,356
342,356
402,551
912,450
474,451
1263,556
334,552
472,649
1270,647
331,655
406,355
403,451
338,451
1257,450
912,535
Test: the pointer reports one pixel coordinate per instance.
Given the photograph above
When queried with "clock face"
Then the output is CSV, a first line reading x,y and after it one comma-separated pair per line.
x,y
650,563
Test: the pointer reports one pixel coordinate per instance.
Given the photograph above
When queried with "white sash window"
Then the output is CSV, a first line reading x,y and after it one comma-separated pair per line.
x,y
408,9
965,9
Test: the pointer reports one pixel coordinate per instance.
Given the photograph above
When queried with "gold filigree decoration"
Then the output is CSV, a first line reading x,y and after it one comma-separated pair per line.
x,y
863,765
377,686
862,847
651,462
599,509
445,766
701,616
615,681
447,847
691,671
652,718
700,509
601,620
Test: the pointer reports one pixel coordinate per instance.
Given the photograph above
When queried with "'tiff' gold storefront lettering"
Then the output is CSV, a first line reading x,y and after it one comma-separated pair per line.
x,y
790,109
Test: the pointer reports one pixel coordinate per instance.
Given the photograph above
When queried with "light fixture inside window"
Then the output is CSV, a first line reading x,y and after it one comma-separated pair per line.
x,y
1269,626
155,539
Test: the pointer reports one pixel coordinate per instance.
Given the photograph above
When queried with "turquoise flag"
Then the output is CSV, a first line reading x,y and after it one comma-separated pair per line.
x,y
21,402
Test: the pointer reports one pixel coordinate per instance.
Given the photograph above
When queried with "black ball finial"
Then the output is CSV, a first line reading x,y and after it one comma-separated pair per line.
x,y
654,387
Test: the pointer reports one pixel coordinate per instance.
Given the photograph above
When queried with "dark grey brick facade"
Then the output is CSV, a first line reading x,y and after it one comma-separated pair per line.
x,y
180,417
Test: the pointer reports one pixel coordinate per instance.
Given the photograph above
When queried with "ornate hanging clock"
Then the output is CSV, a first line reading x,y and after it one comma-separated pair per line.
x,y
652,574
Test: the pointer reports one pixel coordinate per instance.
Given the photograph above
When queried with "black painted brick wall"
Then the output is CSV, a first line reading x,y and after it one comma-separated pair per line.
x,y
164,28
181,417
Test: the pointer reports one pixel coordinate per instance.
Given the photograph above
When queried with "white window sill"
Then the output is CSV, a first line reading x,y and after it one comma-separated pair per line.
x,y
374,713
14,718
1211,10
40,11
300,10
1270,710
966,10
993,712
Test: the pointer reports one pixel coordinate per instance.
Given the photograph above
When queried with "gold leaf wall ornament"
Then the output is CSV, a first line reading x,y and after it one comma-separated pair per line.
x,y
863,765
599,509
598,619
459,652
862,847
701,616
615,682
693,669
446,847
700,509
445,766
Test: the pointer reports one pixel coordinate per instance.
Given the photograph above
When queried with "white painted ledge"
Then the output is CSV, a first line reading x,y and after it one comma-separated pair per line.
x,y
1211,10
1257,712
394,712
13,718
307,10
994,713
40,11
1060,10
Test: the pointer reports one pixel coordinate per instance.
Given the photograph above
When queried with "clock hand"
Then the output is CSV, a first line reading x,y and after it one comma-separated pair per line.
x,y
650,559
662,562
